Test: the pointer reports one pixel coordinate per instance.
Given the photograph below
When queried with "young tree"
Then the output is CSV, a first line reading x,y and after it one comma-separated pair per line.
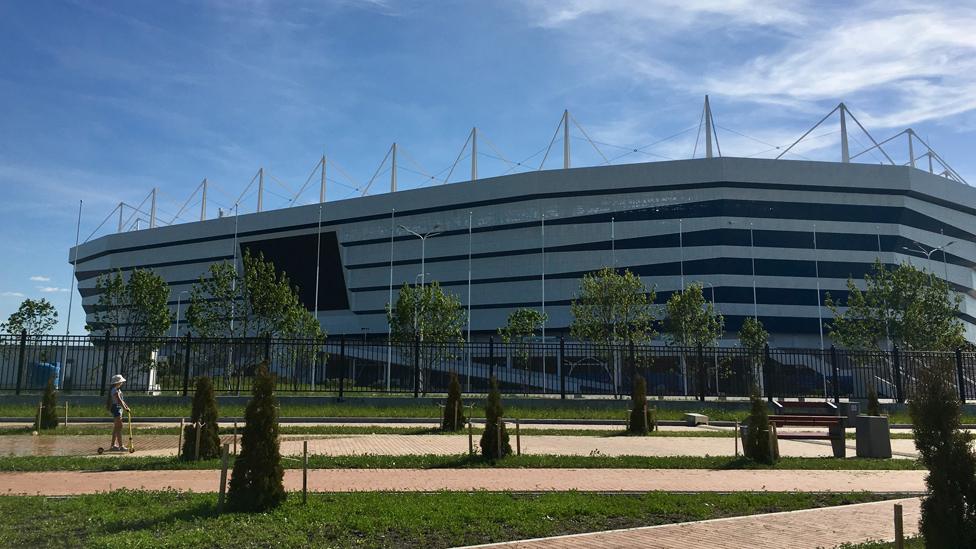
x,y
203,413
134,307
692,321
757,444
519,331
426,313
36,317
949,509
642,419
258,302
613,307
453,409
754,337
491,447
904,307
48,417
256,481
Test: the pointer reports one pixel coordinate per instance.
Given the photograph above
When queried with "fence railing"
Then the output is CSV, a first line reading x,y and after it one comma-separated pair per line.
x,y
347,365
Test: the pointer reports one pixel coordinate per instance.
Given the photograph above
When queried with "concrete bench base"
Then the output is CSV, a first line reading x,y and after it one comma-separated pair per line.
x,y
693,420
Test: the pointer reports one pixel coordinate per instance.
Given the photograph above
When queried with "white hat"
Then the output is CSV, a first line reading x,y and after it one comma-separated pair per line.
x,y
117,378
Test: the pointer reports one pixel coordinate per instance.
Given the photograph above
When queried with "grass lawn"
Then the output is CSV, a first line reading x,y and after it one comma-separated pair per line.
x,y
82,463
170,519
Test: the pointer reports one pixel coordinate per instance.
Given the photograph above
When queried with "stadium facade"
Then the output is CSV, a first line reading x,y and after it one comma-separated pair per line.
x,y
763,235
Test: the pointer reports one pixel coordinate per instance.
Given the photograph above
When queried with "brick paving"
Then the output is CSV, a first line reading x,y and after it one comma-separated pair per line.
x,y
807,529
527,480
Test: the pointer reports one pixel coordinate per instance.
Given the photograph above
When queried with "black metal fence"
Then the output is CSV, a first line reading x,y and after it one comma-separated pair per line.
x,y
346,366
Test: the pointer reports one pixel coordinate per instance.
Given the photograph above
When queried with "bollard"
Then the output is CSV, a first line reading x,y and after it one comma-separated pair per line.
x,y
37,424
736,439
196,448
65,414
470,439
179,441
235,438
647,428
518,439
223,479
899,528
304,472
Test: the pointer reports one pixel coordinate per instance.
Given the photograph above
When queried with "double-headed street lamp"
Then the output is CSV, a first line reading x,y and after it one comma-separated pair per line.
x,y
423,245
928,255
179,297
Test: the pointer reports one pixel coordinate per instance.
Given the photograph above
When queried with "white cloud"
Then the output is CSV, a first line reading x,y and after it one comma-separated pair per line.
x,y
40,278
12,294
51,289
675,12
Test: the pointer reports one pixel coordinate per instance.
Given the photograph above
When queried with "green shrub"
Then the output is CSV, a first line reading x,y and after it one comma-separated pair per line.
x,y
204,413
949,509
641,422
758,444
494,427
48,417
256,482
454,409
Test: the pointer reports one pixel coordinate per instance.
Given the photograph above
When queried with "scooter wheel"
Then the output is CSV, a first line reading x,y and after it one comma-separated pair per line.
x,y
101,450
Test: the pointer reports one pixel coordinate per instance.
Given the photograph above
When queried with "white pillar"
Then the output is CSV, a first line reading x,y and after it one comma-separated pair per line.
x,y
911,149
474,153
121,209
845,152
566,139
152,210
322,186
393,170
260,189
203,202
708,129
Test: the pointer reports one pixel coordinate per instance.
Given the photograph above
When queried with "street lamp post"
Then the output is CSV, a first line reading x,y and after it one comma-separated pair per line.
x,y
714,354
179,296
928,255
423,245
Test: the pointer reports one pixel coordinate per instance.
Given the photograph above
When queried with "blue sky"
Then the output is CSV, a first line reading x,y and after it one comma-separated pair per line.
x,y
102,101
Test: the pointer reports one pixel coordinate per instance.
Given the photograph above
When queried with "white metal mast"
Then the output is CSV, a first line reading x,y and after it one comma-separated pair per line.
x,y
152,210
566,139
322,186
393,170
203,202
708,129
260,189
474,154
845,151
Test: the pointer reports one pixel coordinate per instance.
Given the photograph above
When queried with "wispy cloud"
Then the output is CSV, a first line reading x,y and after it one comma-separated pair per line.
x,y
11,294
51,289
40,278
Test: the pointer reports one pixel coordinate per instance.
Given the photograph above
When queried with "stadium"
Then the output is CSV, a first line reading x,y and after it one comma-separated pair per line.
x,y
766,237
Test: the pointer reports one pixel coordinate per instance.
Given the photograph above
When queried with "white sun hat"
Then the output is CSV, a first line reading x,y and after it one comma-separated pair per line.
x,y
117,378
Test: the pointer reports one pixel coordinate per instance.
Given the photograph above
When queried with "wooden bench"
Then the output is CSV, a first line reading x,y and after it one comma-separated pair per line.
x,y
834,424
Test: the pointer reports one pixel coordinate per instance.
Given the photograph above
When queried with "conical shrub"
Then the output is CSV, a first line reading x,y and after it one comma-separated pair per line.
x,y
256,481
949,508
454,409
757,444
491,447
204,413
642,420
48,418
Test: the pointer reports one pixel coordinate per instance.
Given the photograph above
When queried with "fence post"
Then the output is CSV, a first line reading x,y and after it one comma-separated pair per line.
x,y
267,351
559,364
342,364
186,365
107,342
491,358
899,389
21,359
416,366
833,374
962,380
767,367
702,377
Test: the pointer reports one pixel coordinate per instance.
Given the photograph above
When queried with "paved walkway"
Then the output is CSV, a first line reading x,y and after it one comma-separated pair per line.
x,y
807,529
518,480
398,445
